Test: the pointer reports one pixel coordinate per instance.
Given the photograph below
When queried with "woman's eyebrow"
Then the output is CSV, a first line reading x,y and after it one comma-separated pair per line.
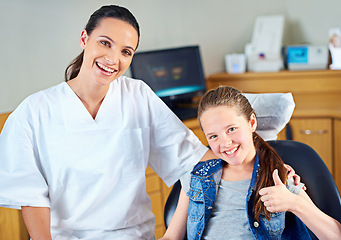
x,y
112,41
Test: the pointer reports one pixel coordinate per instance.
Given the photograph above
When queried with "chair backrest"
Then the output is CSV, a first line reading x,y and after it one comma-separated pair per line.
x,y
172,202
307,163
314,173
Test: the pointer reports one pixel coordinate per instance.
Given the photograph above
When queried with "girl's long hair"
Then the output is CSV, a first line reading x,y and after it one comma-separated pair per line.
x,y
268,158
110,11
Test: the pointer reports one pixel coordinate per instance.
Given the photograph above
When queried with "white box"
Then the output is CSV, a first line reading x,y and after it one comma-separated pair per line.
x,y
235,63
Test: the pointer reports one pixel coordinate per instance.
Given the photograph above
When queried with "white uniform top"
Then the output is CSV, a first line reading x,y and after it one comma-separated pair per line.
x,y
91,173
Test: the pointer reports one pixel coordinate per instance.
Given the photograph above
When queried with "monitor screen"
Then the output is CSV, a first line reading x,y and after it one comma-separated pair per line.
x,y
174,74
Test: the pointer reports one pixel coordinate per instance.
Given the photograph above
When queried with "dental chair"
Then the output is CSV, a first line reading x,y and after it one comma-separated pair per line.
x,y
306,162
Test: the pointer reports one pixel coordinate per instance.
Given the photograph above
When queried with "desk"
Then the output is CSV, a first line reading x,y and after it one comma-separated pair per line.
x,y
316,120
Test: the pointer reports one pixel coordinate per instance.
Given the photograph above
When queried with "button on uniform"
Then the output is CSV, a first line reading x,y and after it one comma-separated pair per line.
x,y
256,224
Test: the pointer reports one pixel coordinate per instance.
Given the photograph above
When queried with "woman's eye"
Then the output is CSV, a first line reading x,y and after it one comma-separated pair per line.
x,y
105,43
126,52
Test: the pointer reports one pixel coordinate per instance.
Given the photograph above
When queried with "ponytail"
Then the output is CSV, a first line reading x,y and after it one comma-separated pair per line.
x,y
73,69
268,162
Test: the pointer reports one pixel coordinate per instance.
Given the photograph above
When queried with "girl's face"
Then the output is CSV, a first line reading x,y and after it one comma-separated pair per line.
x,y
109,50
229,134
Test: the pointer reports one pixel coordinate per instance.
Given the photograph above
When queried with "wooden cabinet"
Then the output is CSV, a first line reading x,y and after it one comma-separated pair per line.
x,y
317,133
158,192
337,151
316,120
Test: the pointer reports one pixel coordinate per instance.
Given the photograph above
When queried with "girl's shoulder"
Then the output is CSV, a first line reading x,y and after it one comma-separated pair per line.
x,y
206,168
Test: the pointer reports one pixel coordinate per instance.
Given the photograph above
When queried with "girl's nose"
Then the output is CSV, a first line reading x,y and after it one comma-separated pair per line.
x,y
225,141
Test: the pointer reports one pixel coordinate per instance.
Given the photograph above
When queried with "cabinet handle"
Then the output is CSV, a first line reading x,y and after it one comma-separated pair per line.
x,y
313,132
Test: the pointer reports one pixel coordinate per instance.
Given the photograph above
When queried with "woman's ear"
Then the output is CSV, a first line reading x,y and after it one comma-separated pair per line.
x,y
253,122
83,39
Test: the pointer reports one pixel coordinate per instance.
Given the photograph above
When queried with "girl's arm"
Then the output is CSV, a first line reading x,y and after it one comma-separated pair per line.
x,y
279,199
322,225
177,227
37,221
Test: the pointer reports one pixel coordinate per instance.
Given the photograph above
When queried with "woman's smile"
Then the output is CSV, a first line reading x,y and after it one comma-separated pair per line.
x,y
107,70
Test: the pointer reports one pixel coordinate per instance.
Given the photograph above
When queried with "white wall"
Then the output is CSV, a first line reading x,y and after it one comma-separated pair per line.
x,y
40,37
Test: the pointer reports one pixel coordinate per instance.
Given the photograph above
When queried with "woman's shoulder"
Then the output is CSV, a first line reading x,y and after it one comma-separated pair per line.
x,y
52,91
38,100
208,167
132,82
136,87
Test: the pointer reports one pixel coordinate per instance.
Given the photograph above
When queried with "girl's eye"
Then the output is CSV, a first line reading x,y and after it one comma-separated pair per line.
x,y
105,43
212,136
231,129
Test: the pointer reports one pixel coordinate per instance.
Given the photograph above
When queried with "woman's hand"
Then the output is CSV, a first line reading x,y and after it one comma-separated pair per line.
x,y
292,174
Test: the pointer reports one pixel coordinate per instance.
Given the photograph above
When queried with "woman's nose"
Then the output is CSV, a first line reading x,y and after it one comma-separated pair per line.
x,y
112,58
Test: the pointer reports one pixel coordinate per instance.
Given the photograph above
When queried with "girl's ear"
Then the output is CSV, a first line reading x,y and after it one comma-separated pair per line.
x,y
83,39
253,122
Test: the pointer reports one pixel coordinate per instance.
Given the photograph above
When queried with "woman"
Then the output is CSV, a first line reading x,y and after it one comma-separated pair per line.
x,y
73,157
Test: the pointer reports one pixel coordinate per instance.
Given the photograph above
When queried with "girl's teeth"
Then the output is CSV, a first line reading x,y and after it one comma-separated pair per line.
x,y
231,152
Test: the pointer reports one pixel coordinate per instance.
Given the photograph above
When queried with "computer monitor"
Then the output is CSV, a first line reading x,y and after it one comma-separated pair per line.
x,y
176,75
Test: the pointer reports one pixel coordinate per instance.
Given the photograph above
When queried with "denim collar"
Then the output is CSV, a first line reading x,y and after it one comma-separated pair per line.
x,y
207,168
255,172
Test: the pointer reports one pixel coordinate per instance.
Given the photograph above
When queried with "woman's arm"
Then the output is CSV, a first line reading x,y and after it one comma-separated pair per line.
x,y
37,221
279,199
177,227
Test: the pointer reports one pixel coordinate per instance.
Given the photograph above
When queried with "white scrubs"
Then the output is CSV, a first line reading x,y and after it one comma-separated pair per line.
x,y
91,173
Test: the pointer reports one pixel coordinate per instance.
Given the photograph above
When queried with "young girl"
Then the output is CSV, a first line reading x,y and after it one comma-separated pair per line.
x,y
244,194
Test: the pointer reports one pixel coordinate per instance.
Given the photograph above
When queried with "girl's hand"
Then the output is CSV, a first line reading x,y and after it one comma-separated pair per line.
x,y
277,198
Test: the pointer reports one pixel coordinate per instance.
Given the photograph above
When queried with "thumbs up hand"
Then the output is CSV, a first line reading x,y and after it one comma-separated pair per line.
x,y
277,198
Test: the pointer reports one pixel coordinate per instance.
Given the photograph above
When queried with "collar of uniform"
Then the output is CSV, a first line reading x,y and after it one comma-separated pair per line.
x,y
77,116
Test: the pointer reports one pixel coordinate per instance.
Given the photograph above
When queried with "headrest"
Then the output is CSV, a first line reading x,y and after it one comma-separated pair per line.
x,y
273,111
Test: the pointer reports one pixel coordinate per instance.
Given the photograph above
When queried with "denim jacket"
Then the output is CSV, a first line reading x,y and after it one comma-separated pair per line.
x,y
205,179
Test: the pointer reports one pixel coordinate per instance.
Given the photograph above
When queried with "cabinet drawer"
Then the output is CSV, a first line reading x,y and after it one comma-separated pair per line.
x,y
317,133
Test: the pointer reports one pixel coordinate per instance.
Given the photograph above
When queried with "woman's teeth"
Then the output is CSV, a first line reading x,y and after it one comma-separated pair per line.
x,y
105,68
231,151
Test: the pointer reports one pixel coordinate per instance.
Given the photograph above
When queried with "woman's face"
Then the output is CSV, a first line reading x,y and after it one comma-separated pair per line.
x,y
108,50
229,134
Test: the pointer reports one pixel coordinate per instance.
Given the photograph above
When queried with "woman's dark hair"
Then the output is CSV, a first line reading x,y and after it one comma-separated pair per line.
x,y
268,158
110,11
